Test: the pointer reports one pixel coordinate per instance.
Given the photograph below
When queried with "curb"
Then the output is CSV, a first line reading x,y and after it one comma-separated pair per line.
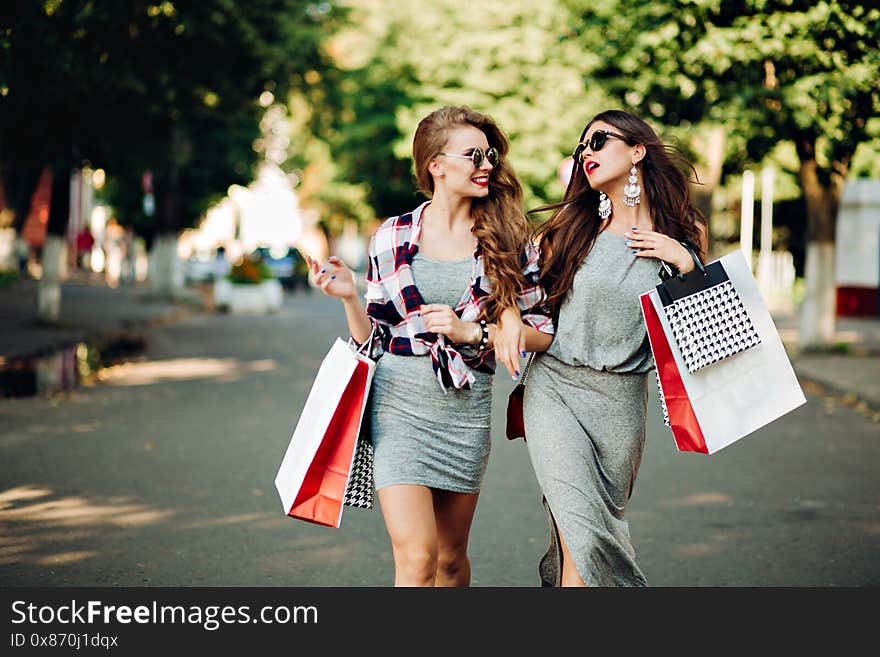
x,y
99,337
870,408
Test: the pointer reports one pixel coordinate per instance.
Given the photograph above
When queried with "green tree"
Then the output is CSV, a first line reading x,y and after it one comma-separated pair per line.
x,y
403,60
48,74
50,111
167,87
196,72
768,71
320,187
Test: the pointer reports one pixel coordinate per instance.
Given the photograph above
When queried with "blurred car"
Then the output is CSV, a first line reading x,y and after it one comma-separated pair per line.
x,y
198,270
288,266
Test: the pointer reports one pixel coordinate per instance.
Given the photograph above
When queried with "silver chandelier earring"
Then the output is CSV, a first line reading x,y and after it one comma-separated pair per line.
x,y
604,205
632,193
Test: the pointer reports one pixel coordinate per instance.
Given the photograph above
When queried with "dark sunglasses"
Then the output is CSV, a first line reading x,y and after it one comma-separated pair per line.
x,y
597,141
477,156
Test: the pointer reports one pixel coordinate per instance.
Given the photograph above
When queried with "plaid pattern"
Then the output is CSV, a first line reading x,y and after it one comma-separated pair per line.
x,y
394,303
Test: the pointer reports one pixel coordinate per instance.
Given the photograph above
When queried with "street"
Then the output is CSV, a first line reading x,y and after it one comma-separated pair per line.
x,y
162,475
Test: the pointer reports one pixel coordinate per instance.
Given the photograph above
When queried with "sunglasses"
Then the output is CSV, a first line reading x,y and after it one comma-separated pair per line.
x,y
597,141
477,156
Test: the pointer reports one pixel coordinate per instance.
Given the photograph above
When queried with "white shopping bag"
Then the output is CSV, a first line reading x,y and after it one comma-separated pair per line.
x,y
717,405
317,465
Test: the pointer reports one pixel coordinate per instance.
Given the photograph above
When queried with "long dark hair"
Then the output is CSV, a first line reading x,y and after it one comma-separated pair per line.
x,y
500,225
567,236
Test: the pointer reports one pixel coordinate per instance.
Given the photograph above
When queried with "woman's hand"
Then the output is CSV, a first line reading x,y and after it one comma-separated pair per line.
x,y
650,244
439,318
334,277
510,341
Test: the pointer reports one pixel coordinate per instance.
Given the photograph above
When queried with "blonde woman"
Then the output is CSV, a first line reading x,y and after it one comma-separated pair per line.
x,y
439,278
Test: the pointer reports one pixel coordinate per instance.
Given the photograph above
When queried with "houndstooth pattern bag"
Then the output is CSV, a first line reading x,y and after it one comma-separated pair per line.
x,y
705,312
359,492
711,325
663,408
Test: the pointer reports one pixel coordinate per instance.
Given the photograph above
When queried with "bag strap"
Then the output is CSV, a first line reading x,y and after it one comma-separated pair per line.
x,y
667,271
525,372
693,249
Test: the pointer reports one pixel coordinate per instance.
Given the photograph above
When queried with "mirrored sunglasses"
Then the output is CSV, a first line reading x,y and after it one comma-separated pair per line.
x,y
477,156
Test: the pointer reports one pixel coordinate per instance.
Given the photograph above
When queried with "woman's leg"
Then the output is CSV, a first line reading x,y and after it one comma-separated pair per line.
x,y
585,443
570,575
455,514
408,510
558,558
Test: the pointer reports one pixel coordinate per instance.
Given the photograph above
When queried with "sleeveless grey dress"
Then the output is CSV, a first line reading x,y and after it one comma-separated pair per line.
x,y
421,435
584,407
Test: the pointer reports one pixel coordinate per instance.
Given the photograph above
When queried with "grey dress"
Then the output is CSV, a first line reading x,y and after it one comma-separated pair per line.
x,y
584,407
421,435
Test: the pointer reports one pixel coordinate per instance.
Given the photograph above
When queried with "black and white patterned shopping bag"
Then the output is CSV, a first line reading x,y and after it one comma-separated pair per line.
x,y
708,319
663,408
359,492
711,325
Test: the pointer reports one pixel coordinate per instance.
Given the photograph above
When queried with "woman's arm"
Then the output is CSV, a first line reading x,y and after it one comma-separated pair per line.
x,y
537,340
359,324
508,338
525,326
651,244
515,338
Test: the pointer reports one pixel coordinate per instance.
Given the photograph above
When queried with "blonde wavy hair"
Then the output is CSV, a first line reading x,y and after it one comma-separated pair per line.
x,y
500,224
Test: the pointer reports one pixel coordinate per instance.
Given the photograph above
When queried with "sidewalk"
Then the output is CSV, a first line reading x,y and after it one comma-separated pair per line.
x,y
852,371
92,311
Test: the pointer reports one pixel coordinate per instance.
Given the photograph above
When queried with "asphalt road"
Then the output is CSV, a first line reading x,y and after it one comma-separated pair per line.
x,y
162,474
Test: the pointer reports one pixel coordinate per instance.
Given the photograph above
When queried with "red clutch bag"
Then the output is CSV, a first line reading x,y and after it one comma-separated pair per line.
x,y
515,428
515,424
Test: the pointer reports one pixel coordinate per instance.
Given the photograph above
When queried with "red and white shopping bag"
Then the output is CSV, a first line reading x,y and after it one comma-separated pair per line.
x,y
315,471
750,385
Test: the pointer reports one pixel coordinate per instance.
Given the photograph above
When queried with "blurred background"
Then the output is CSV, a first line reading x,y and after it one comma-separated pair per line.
x,y
161,143
165,165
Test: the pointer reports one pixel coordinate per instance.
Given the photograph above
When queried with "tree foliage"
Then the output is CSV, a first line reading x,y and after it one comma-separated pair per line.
x,y
172,87
403,60
767,70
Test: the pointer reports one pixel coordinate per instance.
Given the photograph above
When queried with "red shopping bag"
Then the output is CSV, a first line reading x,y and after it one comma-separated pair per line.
x,y
677,406
712,406
317,465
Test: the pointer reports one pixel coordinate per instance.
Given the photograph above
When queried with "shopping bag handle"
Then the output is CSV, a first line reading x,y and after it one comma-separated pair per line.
x,y
364,346
667,271
702,277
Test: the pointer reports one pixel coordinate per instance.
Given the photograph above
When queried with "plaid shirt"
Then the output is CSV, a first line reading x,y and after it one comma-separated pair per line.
x,y
394,303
